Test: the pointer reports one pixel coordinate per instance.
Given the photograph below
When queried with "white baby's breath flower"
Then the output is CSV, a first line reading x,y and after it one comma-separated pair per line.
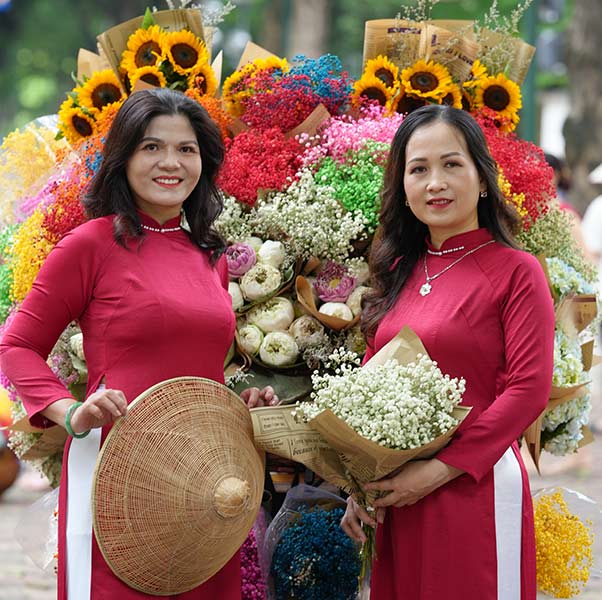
x,y
397,406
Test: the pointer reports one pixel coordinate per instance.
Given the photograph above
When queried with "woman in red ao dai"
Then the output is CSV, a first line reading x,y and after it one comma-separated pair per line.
x,y
147,282
458,526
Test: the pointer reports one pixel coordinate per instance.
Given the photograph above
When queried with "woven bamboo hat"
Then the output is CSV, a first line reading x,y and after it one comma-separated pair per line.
x,y
177,487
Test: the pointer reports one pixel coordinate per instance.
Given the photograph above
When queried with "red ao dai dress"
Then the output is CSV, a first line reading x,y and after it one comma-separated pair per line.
x,y
489,319
149,312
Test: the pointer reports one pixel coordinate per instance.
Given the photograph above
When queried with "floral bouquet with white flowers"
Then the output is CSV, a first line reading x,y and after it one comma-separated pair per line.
x,y
363,424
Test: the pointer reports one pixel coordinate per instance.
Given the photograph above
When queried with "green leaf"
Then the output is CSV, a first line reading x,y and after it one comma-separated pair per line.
x,y
148,20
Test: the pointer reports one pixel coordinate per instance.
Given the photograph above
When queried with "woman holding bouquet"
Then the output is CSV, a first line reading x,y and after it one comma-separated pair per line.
x,y
146,281
458,526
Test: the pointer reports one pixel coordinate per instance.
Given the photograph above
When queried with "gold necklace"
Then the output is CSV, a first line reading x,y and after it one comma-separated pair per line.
x,y
426,287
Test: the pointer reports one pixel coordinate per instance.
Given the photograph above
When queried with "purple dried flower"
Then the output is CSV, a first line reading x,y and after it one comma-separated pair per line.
x,y
240,257
334,283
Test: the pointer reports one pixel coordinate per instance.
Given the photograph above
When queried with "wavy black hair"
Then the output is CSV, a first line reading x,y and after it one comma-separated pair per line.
x,y
401,234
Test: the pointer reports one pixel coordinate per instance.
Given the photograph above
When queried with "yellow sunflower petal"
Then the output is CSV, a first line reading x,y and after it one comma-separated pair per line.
x,y
101,89
185,51
370,87
426,79
74,123
151,75
453,97
478,71
145,47
203,79
384,69
501,95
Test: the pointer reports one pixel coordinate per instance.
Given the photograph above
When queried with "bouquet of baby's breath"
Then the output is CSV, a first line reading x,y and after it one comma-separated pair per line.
x,y
399,407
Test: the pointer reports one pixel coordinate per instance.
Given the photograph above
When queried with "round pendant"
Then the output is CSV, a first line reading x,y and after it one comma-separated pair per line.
x,y
425,289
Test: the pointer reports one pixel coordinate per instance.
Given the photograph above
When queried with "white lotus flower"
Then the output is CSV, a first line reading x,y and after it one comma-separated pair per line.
x,y
279,349
354,302
336,309
272,253
276,314
254,242
260,281
236,295
306,329
250,338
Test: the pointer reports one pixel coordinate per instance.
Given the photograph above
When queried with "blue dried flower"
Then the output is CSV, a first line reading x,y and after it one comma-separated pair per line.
x,y
314,559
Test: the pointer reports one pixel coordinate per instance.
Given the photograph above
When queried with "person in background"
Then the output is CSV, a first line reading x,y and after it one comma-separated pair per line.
x,y
444,262
147,282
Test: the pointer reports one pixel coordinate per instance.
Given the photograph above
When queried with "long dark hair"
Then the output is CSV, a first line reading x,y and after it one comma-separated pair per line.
x,y
401,234
109,192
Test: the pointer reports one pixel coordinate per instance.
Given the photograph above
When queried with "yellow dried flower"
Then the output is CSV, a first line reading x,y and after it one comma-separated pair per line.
x,y
27,157
563,547
516,200
27,254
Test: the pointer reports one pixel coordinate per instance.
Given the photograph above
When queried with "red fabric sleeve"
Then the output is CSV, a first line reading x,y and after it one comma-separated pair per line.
x,y
527,314
59,295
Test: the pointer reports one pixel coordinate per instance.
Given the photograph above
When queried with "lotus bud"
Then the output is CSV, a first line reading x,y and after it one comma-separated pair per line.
x,y
241,258
337,309
260,281
250,338
276,314
306,330
254,242
236,295
354,302
279,349
271,253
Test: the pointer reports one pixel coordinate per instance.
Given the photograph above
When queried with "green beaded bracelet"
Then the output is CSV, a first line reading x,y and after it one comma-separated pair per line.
x,y
68,427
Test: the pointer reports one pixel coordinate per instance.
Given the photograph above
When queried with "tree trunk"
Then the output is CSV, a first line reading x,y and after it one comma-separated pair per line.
x,y
583,127
309,28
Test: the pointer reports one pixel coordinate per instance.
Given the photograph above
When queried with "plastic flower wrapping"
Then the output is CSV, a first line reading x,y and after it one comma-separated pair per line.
x,y
306,149
306,551
567,529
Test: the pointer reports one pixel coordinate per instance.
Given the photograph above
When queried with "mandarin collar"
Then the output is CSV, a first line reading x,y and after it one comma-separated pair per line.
x,y
461,242
150,222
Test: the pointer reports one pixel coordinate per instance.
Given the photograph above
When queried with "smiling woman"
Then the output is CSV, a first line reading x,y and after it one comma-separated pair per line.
x,y
146,280
445,264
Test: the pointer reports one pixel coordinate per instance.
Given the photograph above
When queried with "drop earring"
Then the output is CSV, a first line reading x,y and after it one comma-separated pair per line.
x,y
483,194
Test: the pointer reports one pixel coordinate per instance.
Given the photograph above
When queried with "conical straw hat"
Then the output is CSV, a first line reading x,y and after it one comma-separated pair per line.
x,y
177,487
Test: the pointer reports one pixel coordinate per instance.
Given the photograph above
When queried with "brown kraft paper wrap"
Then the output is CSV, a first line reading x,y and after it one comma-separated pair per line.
x,y
522,53
397,39
330,448
113,42
51,440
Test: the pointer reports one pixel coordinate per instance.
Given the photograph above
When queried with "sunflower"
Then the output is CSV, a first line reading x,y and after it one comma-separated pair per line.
x,y
477,72
384,69
501,95
151,75
74,123
405,103
145,47
203,79
426,79
453,97
370,87
101,89
185,51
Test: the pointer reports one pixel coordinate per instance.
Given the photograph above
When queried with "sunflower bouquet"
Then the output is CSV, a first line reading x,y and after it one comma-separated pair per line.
x,y
151,55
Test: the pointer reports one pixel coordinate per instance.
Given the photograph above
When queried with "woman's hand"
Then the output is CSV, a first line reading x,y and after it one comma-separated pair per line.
x,y
353,518
417,479
100,408
254,397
